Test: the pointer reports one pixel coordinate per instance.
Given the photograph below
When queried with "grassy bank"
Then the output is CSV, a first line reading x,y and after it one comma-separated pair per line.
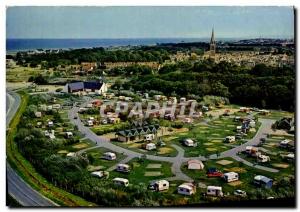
x,y
27,171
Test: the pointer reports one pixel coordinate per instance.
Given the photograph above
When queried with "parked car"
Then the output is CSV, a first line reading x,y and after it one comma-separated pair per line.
x,y
213,172
240,193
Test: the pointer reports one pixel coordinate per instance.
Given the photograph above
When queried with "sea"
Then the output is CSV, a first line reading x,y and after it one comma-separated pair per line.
x,y
14,45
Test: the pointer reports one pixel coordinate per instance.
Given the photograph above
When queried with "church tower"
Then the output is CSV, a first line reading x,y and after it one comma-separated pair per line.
x,y
212,45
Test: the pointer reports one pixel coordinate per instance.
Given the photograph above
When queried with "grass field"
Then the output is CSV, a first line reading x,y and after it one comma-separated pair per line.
x,y
142,172
209,137
97,154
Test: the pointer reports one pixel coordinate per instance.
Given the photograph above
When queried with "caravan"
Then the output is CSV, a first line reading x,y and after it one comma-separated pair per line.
x,y
123,168
159,185
214,191
186,189
231,176
121,181
109,156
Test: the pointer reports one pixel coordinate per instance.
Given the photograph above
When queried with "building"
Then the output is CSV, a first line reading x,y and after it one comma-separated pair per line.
x,y
136,134
98,87
212,45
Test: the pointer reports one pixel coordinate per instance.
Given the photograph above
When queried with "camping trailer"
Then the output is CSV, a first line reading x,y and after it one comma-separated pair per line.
x,y
123,168
231,176
121,181
69,134
100,174
214,191
150,146
263,158
159,185
186,189
230,139
189,142
262,181
109,156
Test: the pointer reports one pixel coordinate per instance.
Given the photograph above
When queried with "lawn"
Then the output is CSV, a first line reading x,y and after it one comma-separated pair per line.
x,y
97,154
144,171
167,150
209,137
246,174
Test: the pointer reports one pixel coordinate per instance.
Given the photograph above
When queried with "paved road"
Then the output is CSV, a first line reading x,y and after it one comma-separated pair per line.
x,y
105,142
16,186
179,159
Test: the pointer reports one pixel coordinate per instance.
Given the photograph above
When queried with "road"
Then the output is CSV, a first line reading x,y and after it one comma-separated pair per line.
x,y
16,186
179,159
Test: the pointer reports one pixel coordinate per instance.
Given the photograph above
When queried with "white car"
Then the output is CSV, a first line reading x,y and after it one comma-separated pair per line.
x,y
240,193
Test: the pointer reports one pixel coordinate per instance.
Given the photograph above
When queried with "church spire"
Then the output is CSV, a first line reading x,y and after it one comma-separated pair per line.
x,y
212,45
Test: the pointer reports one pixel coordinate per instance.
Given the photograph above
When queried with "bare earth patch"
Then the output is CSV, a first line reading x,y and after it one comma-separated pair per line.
x,y
230,125
280,165
135,164
235,183
211,149
224,162
170,138
215,134
152,174
153,166
135,145
235,169
94,168
216,141
164,150
80,146
208,144
252,130
63,152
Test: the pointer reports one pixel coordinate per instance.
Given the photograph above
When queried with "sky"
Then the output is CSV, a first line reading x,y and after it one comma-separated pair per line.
x,y
149,22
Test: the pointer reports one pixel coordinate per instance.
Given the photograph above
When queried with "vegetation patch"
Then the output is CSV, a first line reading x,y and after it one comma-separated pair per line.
x,y
153,166
224,162
152,173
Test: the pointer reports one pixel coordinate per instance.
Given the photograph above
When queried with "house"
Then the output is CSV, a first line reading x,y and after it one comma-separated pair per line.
x,y
195,165
99,87
186,189
69,134
159,185
189,142
121,181
123,168
113,120
100,174
149,137
88,66
214,191
109,156
136,134
229,139
150,146
231,176
38,114
263,158
262,181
